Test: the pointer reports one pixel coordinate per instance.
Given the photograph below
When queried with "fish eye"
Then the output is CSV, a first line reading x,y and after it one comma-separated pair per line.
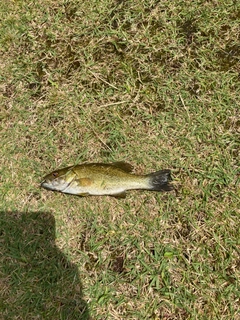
x,y
55,174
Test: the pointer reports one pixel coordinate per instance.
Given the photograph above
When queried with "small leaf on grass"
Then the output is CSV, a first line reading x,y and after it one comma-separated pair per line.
x,y
168,254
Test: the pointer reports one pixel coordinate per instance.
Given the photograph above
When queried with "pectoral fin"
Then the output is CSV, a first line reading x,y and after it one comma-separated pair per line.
x,y
83,182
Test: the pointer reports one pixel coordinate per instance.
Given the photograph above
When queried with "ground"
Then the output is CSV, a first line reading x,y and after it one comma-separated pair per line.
x,y
155,84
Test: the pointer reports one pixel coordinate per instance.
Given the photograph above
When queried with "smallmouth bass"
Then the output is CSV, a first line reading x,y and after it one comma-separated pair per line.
x,y
99,179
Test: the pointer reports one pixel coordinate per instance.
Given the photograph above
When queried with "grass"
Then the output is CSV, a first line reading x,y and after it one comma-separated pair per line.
x,y
155,84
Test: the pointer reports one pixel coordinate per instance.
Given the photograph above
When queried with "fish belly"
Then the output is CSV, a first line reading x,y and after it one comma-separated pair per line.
x,y
104,187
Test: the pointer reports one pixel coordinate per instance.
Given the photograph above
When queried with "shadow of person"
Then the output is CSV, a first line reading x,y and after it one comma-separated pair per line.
x,y
37,281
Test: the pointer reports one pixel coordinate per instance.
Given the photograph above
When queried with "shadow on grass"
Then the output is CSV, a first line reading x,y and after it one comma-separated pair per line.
x,y
37,281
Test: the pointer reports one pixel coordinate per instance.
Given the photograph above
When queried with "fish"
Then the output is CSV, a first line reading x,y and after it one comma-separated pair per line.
x,y
101,179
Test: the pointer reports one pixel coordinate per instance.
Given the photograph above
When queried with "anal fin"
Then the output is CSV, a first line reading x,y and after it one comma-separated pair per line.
x,y
120,195
83,194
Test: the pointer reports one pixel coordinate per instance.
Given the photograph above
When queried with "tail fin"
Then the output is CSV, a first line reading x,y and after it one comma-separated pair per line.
x,y
159,181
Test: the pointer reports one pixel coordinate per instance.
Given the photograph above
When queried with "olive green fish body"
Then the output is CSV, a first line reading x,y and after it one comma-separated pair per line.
x,y
104,179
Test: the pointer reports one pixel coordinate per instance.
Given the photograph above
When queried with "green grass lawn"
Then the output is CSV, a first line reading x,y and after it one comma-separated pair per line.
x,y
152,83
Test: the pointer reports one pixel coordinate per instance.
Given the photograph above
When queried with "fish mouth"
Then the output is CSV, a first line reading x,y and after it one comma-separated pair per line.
x,y
47,185
44,184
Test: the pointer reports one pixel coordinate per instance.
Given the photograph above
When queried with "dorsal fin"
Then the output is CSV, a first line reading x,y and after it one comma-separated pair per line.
x,y
127,167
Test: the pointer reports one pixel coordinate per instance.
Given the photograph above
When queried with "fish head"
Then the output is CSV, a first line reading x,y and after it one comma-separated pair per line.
x,y
58,180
